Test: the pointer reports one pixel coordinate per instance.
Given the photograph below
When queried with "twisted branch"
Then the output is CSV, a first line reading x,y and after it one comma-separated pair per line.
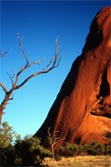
x,y
53,63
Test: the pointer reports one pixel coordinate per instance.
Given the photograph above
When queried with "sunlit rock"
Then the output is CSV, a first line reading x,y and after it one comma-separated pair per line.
x,y
82,110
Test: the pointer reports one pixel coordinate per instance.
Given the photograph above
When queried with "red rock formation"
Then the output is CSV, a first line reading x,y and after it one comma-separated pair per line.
x,y
81,112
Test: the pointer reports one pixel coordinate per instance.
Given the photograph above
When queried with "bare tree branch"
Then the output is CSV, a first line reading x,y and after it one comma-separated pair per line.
x,y
43,71
11,78
36,62
21,47
53,63
3,53
11,98
4,88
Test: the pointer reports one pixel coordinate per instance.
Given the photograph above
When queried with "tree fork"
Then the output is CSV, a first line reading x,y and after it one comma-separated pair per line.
x,y
53,63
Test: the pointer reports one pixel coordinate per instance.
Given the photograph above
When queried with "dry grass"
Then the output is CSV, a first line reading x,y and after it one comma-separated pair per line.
x,y
80,161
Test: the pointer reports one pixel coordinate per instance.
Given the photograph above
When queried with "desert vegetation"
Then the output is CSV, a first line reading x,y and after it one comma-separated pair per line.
x,y
29,151
94,148
15,151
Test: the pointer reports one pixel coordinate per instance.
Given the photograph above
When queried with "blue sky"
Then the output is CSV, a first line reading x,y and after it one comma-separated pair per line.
x,y
40,22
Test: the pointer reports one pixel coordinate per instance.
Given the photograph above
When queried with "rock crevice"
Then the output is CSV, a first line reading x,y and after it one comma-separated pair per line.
x,y
82,110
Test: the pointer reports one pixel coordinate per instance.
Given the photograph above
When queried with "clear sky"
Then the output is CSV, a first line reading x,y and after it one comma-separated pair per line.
x,y
40,23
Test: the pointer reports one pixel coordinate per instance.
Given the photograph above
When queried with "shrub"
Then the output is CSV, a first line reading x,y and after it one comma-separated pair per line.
x,y
68,149
108,149
7,134
94,148
7,155
26,152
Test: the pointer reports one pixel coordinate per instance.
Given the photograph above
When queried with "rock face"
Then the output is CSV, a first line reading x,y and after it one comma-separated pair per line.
x,y
82,110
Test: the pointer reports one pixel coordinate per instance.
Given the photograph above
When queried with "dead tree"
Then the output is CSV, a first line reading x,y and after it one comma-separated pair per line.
x,y
53,63
53,140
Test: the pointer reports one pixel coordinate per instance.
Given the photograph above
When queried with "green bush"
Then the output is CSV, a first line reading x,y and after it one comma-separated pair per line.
x,y
7,155
108,149
94,148
29,152
7,134
68,149
26,152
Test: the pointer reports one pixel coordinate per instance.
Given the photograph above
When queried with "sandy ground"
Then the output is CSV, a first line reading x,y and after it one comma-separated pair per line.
x,y
80,161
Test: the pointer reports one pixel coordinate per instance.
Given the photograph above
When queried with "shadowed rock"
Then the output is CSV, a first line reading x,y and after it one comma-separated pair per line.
x,y
82,110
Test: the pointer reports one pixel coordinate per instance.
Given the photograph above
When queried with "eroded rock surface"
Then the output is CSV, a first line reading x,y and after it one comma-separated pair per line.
x,y
82,110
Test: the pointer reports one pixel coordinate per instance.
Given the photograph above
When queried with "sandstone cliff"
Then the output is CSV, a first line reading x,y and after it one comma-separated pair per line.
x,y
81,112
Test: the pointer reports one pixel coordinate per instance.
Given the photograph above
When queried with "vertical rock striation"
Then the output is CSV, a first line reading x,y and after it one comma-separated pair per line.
x,y
82,110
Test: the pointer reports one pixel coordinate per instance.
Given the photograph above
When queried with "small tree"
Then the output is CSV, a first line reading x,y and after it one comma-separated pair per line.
x,y
53,63
7,135
52,141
